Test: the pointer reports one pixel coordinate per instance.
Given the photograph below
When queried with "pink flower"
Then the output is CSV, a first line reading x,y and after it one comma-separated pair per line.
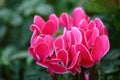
x,y
84,42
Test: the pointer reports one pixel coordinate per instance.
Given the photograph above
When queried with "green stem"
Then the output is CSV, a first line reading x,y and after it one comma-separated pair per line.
x,y
76,76
54,77
82,74
93,73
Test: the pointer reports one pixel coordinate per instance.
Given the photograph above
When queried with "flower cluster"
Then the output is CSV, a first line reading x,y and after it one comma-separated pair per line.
x,y
83,42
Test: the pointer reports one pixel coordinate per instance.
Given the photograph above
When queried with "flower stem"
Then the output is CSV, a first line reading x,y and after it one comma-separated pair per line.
x,y
54,77
82,74
93,73
76,76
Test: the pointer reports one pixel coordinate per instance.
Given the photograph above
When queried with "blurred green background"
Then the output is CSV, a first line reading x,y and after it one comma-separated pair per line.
x,y
16,17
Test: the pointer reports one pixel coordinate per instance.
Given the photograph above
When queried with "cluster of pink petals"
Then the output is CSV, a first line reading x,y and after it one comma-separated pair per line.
x,y
83,42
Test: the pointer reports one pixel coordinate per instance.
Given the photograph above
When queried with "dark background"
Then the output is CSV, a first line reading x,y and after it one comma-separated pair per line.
x,y
16,17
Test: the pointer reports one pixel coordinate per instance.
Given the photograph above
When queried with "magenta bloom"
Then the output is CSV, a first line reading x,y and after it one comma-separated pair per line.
x,y
84,42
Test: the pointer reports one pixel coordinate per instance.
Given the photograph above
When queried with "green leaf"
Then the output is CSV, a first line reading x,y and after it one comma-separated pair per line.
x,y
19,55
6,53
44,9
113,54
2,32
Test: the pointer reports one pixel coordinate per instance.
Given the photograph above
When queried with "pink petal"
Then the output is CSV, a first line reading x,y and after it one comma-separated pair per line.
x,y
91,25
58,69
83,25
54,18
38,40
49,28
92,36
32,53
84,39
42,50
65,38
101,27
74,60
69,37
33,37
78,15
38,21
100,48
43,64
59,43
77,34
106,44
53,60
78,68
65,21
86,59
73,71
35,27
63,55
48,39
73,39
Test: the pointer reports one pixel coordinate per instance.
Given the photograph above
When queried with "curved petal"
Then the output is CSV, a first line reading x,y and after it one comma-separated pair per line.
x,y
59,43
83,25
48,39
78,15
65,20
42,51
77,34
84,39
38,21
33,38
91,25
100,48
74,60
34,27
92,36
58,69
73,71
43,64
32,53
86,59
49,28
105,43
101,27
63,55
54,18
